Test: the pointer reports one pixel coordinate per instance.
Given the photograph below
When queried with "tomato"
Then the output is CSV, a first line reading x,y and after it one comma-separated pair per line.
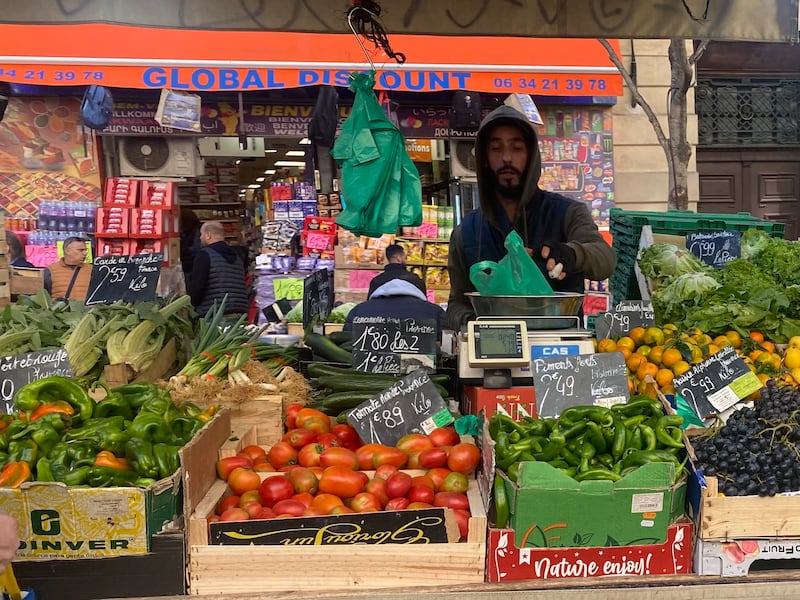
x,y
263,467
346,434
338,457
253,452
229,463
282,454
422,480
414,442
243,480
433,458
235,514
342,482
317,470
364,454
303,480
365,502
341,509
455,482
451,500
326,502
249,496
320,420
377,487
462,518
305,498
274,489
385,471
419,505
253,508
398,484
292,508
444,436
386,455
309,455
266,513
397,504
328,440
297,438
464,458
437,476
226,503
421,493
413,459
310,511
291,415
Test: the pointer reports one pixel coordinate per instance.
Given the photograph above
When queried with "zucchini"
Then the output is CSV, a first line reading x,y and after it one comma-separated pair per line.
x,y
348,345
325,348
318,369
356,383
339,401
340,337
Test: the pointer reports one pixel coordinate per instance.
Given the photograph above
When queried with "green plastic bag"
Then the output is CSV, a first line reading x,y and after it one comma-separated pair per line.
x,y
515,275
380,184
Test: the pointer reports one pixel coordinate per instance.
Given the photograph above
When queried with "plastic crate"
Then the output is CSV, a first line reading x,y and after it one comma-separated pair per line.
x,y
681,222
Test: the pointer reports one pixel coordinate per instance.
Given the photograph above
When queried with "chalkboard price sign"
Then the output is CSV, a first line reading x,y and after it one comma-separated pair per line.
x,y
582,379
717,248
625,316
128,278
393,345
717,383
20,370
412,405
317,297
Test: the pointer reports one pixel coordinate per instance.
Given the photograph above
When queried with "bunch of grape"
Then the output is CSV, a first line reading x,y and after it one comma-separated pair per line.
x,y
757,451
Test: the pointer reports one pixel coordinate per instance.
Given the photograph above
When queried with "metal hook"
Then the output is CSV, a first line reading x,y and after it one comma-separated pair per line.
x,y
358,38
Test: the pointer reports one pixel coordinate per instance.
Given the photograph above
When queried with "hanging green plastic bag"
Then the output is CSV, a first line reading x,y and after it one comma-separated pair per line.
x,y
515,275
380,184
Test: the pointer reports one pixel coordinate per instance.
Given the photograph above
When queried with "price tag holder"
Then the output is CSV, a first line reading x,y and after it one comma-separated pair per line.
x,y
714,385
393,345
625,316
412,405
128,278
717,248
19,370
577,380
317,297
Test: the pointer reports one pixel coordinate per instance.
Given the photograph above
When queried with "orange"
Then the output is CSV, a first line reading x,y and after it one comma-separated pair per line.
x,y
680,367
767,346
757,336
796,374
626,342
734,338
645,369
625,353
721,341
755,354
768,361
643,350
654,356
703,339
791,358
670,357
653,336
668,389
607,345
763,378
636,334
634,361
664,378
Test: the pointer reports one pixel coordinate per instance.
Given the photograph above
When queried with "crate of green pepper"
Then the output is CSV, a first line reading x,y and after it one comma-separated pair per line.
x,y
594,476
94,479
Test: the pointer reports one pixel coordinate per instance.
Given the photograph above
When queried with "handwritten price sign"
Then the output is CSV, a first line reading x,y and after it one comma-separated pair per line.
x,y
392,345
715,249
128,278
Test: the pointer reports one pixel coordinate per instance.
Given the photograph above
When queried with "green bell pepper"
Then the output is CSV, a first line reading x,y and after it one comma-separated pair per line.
x,y
139,453
136,394
70,477
166,456
151,427
53,388
25,450
114,404
110,477
185,428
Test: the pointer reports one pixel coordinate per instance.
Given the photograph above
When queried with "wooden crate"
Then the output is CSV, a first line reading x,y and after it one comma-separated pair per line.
x,y
264,428
229,569
121,374
26,281
724,518
5,287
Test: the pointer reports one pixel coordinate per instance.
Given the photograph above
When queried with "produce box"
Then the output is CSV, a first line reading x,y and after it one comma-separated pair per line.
x,y
259,421
734,558
26,281
508,562
551,509
516,402
59,522
120,374
353,279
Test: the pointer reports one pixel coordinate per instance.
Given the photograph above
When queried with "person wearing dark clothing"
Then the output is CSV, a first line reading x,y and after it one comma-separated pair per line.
x,y
190,241
218,271
400,299
395,269
16,251
558,232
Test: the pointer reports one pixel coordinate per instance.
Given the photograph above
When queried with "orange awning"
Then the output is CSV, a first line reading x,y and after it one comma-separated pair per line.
x,y
153,58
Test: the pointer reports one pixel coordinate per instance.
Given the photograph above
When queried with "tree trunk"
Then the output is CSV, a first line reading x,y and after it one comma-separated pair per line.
x,y
679,149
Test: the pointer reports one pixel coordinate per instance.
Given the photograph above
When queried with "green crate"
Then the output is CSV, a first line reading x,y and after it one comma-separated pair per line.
x,y
680,222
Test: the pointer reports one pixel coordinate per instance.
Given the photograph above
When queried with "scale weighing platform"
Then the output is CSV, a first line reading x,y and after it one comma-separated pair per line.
x,y
496,352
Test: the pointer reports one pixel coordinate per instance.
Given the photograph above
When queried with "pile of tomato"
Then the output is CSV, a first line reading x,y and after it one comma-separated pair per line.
x,y
322,469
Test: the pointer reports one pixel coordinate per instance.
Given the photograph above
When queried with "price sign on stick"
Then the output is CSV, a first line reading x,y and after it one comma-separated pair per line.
x,y
128,278
717,383
317,297
17,371
393,345
567,381
715,248
412,405
625,316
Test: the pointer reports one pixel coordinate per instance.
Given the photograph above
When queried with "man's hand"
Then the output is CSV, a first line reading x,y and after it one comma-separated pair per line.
x,y
560,259
9,540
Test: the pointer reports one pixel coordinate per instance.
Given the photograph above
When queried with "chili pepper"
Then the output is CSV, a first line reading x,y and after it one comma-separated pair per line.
x,y
635,440
15,473
105,458
514,437
632,422
676,433
587,453
166,457
620,438
58,453
189,409
595,436
648,438
23,451
570,458
554,446
56,406
530,443
526,457
150,426
558,463
663,436
617,467
14,428
501,509
513,471
574,445
139,453
535,427
599,414
144,482
597,474
70,477
110,477
3,458
52,388
45,436
569,471
640,457
44,471
550,423
605,460
645,406
136,394
508,424
572,430
185,428
4,439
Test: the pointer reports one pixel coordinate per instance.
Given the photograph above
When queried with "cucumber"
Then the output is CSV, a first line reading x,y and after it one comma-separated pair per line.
x,y
342,416
355,382
340,337
339,401
348,345
325,348
317,369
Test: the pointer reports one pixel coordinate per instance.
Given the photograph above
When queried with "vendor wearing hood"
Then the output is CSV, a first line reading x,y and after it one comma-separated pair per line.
x,y
399,299
558,232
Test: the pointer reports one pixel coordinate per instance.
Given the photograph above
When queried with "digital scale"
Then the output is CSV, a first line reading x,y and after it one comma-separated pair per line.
x,y
496,352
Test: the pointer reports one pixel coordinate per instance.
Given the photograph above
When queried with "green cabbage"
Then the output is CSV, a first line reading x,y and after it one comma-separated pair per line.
x,y
339,314
674,298
753,242
662,260
295,315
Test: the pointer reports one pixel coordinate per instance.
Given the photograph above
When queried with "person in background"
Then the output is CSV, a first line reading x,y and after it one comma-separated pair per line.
x,y
558,232
9,540
218,271
16,251
395,269
190,241
68,278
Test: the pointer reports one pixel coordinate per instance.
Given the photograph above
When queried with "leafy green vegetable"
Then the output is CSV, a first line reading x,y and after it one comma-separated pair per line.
x,y
667,260
295,315
672,300
753,242
339,314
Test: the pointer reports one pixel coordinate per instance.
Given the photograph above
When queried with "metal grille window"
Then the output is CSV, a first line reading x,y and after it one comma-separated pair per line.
x,y
747,112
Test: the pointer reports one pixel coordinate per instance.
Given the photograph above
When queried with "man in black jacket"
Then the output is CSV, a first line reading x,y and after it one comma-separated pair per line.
x,y
218,270
395,269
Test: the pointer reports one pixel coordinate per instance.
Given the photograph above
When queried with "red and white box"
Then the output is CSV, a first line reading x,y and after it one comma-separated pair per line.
x,y
121,192
157,194
113,221
114,247
515,402
321,224
506,562
169,247
153,223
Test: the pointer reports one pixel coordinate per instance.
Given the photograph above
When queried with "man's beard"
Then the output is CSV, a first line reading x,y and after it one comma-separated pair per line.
x,y
506,190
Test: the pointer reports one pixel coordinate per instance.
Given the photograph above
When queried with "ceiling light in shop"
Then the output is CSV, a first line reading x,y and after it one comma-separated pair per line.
x,y
270,151
260,179
290,163
295,153
238,161
305,142
254,186
269,172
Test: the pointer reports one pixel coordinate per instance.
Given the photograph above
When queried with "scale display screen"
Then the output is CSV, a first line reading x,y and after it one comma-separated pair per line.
x,y
498,344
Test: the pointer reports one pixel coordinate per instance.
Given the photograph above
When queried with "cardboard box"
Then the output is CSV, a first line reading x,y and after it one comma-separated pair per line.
x,y
113,222
157,194
121,192
170,247
346,295
114,247
734,558
25,281
355,257
507,562
551,509
516,402
353,279
59,522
